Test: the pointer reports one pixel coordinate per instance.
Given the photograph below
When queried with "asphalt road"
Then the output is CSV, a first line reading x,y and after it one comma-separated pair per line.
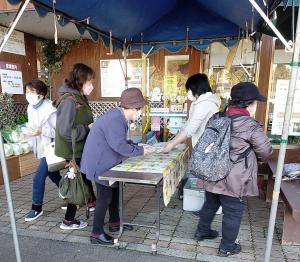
x,y
43,250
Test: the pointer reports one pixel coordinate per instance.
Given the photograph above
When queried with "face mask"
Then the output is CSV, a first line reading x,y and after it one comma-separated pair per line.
x,y
87,89
138,114
190,96
32,99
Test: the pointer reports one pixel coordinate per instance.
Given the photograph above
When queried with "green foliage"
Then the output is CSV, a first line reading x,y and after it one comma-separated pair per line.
x,y
21,119
6,111
52,54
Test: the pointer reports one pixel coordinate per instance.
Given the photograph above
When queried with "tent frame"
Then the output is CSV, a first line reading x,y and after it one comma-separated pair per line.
x,y
284,140
287,117
2,153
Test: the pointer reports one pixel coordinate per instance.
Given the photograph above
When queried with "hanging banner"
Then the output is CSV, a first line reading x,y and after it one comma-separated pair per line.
x,y
11,78
282,87
15,43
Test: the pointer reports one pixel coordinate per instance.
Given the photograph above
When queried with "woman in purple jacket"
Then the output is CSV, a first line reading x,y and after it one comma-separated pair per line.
x,y
105,147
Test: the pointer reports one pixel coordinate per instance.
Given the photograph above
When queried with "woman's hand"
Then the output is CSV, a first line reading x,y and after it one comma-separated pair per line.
x,y
37,132
168,147
148,149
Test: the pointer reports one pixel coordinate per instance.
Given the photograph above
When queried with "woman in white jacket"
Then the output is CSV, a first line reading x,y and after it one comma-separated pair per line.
x,y
204,105
41,129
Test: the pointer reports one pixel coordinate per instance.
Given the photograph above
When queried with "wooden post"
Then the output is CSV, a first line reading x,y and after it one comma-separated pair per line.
x,y
266,54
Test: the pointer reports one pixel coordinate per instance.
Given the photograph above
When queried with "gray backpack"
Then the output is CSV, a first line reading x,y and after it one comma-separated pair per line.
x,y
210,159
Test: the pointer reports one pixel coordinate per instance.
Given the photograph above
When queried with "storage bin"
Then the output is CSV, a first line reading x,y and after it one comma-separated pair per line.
x,y
193,196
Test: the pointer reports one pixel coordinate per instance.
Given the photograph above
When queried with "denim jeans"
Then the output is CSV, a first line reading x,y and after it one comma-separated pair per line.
x,y
39,180
233,209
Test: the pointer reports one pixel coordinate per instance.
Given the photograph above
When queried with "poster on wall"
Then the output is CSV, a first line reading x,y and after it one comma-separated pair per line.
x,y
11,78
112,76
176,74
279,109
15,44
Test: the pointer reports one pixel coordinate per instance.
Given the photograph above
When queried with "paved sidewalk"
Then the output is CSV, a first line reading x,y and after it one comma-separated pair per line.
x,y
177,226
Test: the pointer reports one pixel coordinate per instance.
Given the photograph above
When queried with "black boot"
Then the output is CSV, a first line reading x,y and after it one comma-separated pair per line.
x,y
211,235
103,239
225,253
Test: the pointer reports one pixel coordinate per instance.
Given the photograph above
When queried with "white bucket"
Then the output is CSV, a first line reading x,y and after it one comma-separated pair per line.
x,y
193,196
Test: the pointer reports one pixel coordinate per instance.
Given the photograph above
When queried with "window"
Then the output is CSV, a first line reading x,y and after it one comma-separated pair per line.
x,y
277,102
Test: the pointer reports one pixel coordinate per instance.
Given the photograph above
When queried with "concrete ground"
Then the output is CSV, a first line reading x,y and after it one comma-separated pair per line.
x,y
38,238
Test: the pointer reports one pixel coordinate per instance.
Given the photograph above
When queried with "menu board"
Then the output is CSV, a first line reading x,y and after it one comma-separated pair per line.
x,y
11,78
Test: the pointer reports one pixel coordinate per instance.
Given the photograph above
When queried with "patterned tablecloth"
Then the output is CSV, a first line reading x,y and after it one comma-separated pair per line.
x,y
172,166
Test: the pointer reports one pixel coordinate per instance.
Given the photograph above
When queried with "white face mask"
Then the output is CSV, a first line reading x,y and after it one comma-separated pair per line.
x,y
137,115
190,96
87,89
32,99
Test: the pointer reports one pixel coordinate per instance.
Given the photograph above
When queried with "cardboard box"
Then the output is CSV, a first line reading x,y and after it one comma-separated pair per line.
x,y
13,169
19,166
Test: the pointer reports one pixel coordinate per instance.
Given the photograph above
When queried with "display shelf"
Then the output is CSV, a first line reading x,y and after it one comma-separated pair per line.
x,y
169,114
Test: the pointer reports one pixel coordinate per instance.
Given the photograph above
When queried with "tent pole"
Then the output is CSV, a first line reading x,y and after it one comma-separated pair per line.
x,y
284,140
2,154
125,67
14,23
9,200
288,45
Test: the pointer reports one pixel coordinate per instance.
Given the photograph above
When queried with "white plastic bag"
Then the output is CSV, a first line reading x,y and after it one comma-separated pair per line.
x,y
54,162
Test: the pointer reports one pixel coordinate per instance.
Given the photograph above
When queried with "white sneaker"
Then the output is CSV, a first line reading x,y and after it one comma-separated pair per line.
x,y
76,224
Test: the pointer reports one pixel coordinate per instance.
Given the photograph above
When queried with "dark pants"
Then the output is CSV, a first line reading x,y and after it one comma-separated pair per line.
x,y
71,209
107,197
39,180
233,211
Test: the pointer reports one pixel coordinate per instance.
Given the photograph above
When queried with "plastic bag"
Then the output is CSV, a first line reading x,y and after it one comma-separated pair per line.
x,y
12,135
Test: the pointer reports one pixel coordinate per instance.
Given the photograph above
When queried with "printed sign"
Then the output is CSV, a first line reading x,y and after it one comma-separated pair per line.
x,y
11,78
15,43
282,87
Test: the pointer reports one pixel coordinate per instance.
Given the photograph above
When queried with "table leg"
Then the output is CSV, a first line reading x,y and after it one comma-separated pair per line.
x,y
158,195
116,240
270,188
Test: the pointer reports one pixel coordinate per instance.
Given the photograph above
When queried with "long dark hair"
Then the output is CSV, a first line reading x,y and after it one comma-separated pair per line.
x,y
79,74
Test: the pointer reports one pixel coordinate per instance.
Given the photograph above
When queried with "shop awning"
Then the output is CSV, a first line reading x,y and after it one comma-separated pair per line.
x,y
168,23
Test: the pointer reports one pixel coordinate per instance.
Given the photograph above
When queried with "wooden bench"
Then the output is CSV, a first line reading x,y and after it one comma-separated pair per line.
x,y
290,194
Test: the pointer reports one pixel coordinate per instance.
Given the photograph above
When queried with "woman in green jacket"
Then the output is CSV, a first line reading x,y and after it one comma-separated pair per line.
x,y
74,112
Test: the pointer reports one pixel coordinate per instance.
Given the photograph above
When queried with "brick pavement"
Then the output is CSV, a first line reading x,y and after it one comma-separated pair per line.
x,y
177,226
